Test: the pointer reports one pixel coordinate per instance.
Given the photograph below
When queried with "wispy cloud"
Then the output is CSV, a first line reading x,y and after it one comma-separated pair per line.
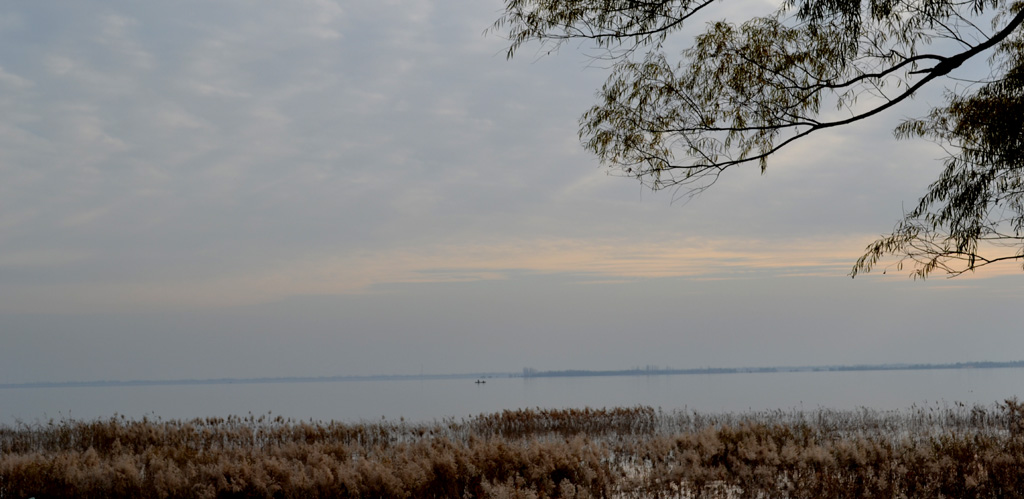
x,y
178,156
584,260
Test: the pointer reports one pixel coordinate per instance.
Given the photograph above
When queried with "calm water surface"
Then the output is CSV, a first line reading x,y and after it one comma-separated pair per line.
x,y
426,400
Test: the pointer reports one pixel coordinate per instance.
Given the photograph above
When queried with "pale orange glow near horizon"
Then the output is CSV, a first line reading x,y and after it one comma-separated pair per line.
x,y
593,261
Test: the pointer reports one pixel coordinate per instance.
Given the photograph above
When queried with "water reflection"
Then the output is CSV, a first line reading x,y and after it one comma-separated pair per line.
x,y
424,400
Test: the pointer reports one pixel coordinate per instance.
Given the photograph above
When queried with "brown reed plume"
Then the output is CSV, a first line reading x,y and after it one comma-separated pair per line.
x,y
571,453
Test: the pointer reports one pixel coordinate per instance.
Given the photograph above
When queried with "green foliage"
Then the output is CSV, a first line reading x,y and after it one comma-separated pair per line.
x,y
743,91
973,215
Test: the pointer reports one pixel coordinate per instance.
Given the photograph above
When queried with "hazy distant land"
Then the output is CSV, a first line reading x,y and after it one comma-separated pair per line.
x,y
526,373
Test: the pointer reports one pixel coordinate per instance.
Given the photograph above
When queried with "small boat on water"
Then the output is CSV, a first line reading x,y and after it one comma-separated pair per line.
x,y
480,381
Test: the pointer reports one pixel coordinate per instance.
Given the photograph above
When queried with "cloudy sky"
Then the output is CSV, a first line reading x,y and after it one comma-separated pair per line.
x,y
234,188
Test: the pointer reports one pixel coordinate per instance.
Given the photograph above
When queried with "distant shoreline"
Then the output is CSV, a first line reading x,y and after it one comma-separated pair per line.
x,y
775,369
525,374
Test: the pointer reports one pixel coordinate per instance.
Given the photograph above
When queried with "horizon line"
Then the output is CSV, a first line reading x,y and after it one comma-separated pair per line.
x,y
525,374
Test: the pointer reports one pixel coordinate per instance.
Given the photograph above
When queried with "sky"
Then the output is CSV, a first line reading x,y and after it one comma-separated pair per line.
x,y
234,188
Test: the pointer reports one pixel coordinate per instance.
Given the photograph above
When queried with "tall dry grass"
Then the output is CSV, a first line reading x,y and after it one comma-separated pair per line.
x,y
622,453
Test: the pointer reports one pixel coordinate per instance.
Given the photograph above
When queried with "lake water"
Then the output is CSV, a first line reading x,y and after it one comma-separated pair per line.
x,y
426,400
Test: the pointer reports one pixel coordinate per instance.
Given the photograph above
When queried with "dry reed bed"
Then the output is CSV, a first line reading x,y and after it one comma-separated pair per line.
x,y
622,453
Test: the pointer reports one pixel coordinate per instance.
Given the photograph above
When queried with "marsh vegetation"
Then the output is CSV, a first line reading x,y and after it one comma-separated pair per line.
x,y
952,451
